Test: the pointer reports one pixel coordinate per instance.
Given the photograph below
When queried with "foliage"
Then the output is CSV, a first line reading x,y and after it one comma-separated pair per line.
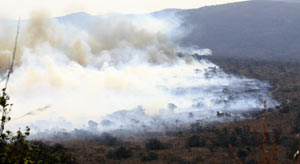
x,y
149,156
16,149
119,153
108,140
155,144
238,137
196,141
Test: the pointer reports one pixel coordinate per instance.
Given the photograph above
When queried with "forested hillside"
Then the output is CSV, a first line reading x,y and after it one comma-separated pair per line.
x,y
252,29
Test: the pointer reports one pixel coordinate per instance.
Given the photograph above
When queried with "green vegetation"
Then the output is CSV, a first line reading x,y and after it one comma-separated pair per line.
x,y
16,149
119,153
149,156
196,141
155,144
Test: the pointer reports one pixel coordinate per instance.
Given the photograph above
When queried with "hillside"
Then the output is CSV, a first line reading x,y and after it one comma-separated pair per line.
x,y
255,39
262,29
252,29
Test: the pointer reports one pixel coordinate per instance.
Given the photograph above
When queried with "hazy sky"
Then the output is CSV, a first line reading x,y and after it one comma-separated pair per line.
x,y
24,8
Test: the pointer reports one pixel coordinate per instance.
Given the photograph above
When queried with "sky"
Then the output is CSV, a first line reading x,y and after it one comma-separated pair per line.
x,y
25,8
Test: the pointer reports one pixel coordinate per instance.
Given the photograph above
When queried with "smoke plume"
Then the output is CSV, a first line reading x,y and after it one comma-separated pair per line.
x,y
117,72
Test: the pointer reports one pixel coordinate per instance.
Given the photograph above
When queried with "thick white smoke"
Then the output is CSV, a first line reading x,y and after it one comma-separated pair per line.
x,y
117,72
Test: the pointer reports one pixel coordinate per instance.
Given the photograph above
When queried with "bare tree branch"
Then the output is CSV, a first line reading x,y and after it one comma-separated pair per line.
x,y
14,55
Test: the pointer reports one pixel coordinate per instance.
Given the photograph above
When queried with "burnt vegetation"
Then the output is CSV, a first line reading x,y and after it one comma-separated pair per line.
x,y
272,137
268,137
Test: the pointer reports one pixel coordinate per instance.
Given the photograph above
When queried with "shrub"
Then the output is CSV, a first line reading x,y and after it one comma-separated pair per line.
x,y
296,126
154,144
195,141
251,161
100,159
149,156
108,140
285,109
242,153
196,127
175,159
56,153
198,159
222,138
16,149
119,153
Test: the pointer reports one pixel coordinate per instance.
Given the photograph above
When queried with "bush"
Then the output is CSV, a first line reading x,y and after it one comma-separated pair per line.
x,y
195,141
16,149
285,109
198,159
242,153
238,137
196,127
296,126
108,140
251,161
150,156
223,138
154,144
119,153
21,151
174,159
100,159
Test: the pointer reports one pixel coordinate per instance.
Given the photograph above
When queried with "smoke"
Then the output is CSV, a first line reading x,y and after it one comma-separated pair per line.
x,y
34,112
118,72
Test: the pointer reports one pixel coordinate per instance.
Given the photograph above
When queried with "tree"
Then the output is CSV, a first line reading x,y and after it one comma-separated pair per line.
x,y
15,148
